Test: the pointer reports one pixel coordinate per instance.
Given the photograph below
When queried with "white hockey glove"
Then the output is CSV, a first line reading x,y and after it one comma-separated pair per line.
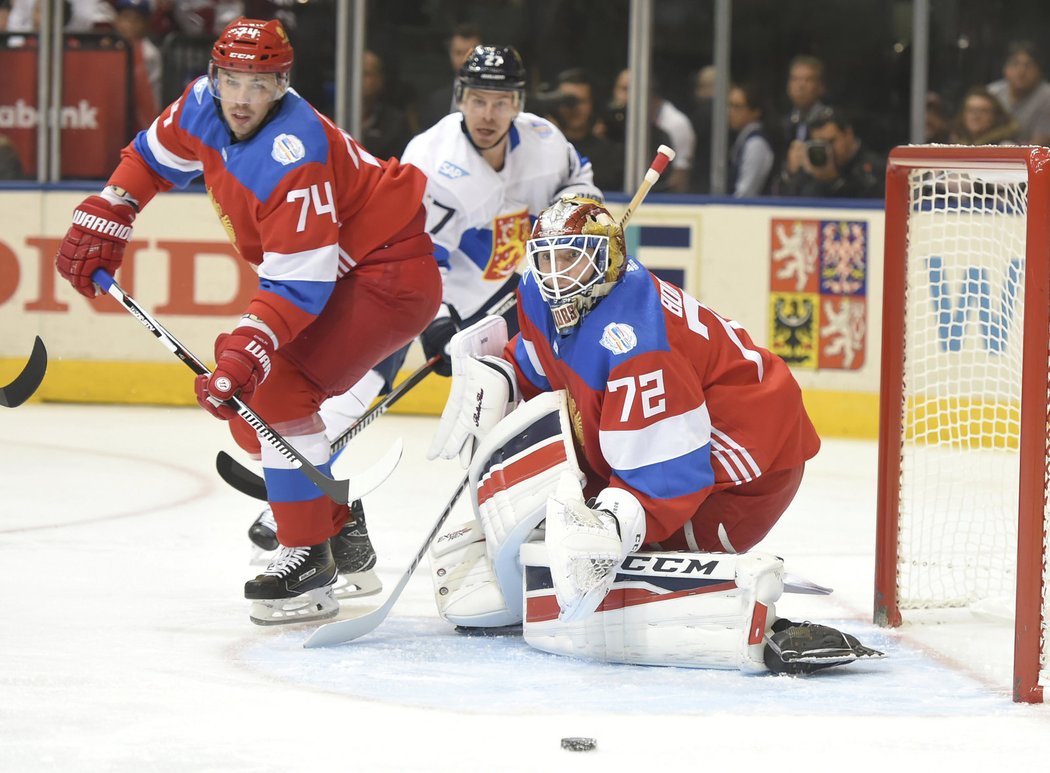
x,y
587,544
484,390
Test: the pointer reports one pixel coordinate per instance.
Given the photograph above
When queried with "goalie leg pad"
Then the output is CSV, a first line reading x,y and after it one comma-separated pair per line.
x,y
697,610
513,473
465,587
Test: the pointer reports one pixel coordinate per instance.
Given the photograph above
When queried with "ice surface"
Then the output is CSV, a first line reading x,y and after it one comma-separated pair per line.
x,y
126,645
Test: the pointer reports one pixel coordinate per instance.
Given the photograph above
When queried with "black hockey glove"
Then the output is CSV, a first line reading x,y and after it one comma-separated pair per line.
x,y
435,340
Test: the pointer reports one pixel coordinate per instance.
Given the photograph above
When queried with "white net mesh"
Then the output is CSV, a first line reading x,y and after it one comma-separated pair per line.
x,y
964,309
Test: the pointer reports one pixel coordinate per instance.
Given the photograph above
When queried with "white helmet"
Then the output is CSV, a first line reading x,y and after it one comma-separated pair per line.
x,y
577,255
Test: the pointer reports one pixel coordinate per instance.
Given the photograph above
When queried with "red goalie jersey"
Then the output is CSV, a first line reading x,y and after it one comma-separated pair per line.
x,y
670,401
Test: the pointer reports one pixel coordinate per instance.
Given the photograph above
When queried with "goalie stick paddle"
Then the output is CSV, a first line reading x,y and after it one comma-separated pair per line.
x,y
337,490
247,482
26,382
343,631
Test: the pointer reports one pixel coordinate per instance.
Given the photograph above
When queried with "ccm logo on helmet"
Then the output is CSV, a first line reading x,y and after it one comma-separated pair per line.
x,y
650,564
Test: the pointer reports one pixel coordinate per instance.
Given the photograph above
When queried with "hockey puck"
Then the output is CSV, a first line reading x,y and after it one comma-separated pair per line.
x,y
578,744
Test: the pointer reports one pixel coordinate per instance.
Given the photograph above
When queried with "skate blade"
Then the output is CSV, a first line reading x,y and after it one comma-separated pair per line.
x,y
356,585
317,604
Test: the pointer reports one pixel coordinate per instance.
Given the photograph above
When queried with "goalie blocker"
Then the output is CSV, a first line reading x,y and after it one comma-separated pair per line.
x,y
701,610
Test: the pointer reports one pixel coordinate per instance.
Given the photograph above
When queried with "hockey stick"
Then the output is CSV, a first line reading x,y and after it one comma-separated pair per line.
x,y
664,156
26,382
247,482
338,490
343,631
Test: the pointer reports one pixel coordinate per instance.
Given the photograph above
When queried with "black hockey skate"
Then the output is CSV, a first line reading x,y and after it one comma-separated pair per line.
x,y
296,587
801,648
355,557
263,531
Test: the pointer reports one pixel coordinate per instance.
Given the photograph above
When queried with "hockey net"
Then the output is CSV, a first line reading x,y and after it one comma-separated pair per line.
x,y
964,448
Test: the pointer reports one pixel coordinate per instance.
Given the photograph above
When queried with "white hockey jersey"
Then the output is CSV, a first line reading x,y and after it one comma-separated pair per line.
x,y
479,218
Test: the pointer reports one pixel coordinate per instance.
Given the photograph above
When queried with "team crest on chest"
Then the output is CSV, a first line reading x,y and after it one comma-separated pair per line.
x,y
287,149
619,338
509,234
227,224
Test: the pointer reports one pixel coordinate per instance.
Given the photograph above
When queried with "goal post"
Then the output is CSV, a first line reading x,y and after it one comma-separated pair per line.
x,y
964,447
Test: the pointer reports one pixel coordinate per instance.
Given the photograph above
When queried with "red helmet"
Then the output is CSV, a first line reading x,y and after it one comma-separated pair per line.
x,y
251,45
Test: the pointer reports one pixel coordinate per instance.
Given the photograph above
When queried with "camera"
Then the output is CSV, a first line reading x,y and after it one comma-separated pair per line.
x,y
818,152
549,102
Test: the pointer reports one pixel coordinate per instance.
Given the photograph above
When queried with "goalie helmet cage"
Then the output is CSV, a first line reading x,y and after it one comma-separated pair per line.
x,y
963,426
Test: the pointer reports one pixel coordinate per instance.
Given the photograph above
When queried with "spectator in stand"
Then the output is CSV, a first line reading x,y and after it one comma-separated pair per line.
x,y
1024,93
669,120
10,163
573,112
700,117
938,120
133,24
805,90
752,157
77,15
385,130
612,125
441,102
833,163
983,120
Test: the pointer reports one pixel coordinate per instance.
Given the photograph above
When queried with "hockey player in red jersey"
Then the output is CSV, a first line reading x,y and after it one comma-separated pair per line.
x,y
346,277
683,435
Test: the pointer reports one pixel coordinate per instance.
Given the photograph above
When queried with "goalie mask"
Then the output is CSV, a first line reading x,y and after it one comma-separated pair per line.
x,y
577,255
251,46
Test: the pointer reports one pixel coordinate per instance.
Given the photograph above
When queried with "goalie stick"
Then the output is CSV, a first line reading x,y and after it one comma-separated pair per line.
x,y
343,631
338,490
26,382
247,482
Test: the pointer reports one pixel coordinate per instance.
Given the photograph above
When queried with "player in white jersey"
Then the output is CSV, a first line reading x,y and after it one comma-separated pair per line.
x,y
491,168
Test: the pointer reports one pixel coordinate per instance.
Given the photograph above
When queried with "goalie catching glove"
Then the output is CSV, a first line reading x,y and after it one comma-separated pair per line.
x,y
242,362
100,232
586,542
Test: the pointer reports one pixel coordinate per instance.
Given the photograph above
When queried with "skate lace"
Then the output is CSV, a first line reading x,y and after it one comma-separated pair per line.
x,y
287,560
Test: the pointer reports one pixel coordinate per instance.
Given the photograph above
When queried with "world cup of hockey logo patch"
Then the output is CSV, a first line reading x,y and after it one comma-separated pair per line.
x,y
509,234
287,149
619,338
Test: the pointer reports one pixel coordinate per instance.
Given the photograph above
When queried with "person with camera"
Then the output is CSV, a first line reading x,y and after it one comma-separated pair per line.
x,y
570,106
832,163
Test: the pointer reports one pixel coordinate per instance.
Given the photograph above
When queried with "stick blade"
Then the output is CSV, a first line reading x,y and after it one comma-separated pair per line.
x,y
247,482
26,382
344,631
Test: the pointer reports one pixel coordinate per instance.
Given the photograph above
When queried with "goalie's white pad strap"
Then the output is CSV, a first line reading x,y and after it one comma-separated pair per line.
x,y
465,588
700,610
515,469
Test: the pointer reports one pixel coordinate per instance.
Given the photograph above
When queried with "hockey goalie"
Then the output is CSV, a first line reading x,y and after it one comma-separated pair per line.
x,y
626,451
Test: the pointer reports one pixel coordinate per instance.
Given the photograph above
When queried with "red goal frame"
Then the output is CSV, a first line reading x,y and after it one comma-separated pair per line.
x,y
1034,441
